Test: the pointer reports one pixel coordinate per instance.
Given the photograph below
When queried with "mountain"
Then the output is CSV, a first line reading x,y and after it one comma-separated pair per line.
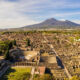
x,y
53,23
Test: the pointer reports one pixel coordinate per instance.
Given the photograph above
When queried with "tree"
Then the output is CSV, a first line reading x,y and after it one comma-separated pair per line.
x,y
46,77
10,45
0,52
43,77
28,42
14,42
75,78
7,55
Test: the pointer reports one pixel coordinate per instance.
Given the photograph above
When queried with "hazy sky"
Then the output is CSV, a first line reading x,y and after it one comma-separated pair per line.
x,y
18,13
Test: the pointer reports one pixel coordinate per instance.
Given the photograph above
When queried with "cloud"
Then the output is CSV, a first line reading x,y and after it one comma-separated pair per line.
x,y
67,14
10,16
76,21
18,13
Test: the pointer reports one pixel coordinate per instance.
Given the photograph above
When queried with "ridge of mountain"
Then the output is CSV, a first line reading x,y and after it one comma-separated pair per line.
x,y
53,23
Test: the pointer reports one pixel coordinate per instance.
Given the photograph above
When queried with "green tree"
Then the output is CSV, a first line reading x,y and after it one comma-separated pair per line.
x,y
7,55
75,78
0,52
43,77
46,77
10,45
28,42
14,42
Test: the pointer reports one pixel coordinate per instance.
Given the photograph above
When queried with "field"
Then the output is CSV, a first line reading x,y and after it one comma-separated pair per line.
x,y
15,72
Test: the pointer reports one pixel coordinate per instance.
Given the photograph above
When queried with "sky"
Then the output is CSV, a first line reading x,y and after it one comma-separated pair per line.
x,y
19,13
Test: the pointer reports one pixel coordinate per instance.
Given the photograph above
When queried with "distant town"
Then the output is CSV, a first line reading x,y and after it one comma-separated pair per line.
x,y
40,55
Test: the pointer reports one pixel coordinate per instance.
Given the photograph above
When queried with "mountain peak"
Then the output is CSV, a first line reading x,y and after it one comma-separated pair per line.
x,y
51,19
53,23
67,21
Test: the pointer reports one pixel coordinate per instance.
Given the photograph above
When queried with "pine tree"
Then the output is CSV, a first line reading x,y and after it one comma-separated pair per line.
x,y
28,42
7,55
14,42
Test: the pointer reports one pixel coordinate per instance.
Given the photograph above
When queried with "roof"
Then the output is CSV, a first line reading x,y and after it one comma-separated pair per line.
x,y
52,59
42,70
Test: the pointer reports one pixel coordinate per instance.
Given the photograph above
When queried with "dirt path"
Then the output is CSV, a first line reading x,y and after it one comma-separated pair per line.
x,y
32,72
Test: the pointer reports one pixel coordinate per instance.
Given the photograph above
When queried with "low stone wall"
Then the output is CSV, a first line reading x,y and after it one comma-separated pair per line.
x,y
24,64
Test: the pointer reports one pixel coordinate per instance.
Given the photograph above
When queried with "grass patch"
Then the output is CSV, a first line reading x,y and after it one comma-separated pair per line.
x,y
21,70
11,73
